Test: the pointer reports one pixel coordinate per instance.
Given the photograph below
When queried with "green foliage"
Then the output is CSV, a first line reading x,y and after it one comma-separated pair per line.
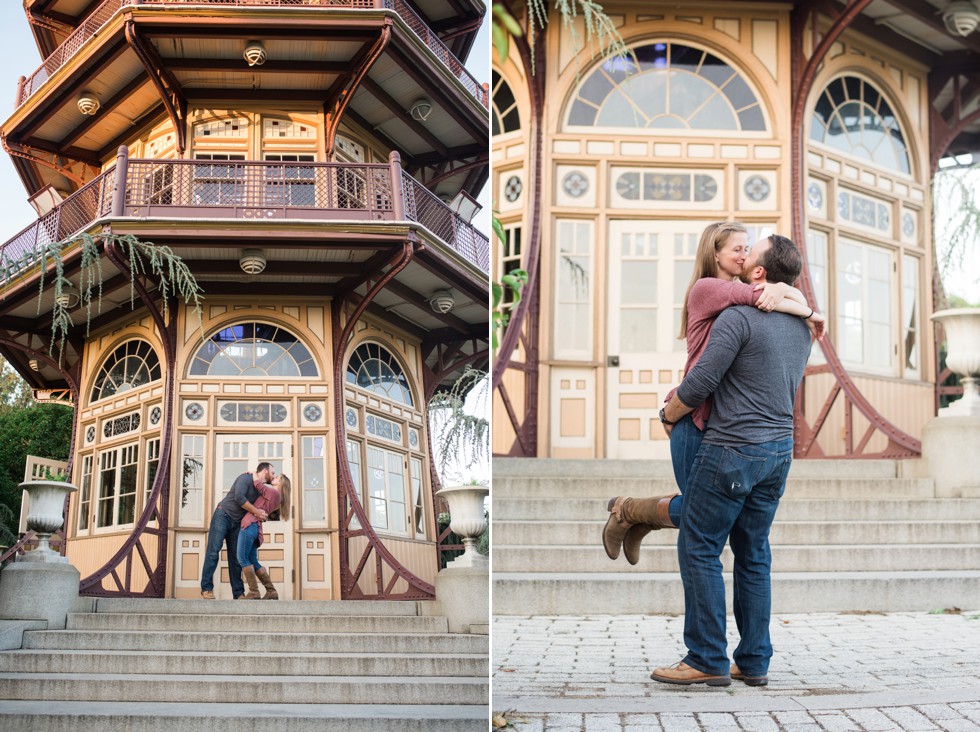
x,y
14,392
958,227
460,427
41,429
172,276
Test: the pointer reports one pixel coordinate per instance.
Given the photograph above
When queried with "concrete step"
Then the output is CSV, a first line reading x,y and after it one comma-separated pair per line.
x,y
555,467
236,641
604,488
116,716
237,607
801,592
230,662
808,558
258,623
589,533
584,509
241,688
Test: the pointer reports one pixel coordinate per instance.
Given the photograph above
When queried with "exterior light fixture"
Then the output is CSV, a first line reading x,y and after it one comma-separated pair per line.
x,y
421,109
442,301
33,363
255,53
69,297
961,17
88,103
252,261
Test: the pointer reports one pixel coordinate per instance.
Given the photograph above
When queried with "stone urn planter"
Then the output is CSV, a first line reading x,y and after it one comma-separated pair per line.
x,y
467,520
44,516
962,327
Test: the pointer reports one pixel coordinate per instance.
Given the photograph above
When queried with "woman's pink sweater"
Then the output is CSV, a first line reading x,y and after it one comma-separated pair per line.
x,y
268,500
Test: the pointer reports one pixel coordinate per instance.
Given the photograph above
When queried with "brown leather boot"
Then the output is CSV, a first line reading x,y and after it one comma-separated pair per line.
x,y
248,574
266,580
624,513
636,533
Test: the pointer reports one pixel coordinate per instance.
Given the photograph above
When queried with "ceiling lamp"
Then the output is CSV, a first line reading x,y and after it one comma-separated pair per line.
x,y
421,109
252,261
442,301
255,53
69,296
33,363
88,103
961,17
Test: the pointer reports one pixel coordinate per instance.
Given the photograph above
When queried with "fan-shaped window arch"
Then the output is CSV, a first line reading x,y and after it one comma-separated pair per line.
x,y
506,116
132,365
852,116
254,349
675,86
374,368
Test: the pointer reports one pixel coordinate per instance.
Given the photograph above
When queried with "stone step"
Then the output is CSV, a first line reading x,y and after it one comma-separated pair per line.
x,y
801,592
231,662
237,607
242,688
806,558
235,641
812,488
556,467
584,509
126,716
259,623
589,533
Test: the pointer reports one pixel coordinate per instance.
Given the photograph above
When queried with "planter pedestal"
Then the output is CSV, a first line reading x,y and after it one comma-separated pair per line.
x,y
42,584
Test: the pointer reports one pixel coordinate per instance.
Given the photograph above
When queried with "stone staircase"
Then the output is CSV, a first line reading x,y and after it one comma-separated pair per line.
x,y
218,665
850,535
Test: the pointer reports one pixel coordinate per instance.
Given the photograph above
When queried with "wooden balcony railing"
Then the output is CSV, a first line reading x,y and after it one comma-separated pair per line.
x,y
91,26
194,189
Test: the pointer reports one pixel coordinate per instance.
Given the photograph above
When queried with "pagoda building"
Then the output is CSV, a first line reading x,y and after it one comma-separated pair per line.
x,y
313,164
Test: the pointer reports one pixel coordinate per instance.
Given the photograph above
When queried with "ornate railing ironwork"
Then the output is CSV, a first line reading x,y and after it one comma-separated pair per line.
x,y
104,13
253,190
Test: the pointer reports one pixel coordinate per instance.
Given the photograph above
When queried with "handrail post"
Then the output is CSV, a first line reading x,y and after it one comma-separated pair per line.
x,y
20,90
119,192
397,189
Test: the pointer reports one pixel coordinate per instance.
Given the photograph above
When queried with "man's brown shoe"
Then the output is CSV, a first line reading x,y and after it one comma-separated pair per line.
x,y
207,594
681,673
749,680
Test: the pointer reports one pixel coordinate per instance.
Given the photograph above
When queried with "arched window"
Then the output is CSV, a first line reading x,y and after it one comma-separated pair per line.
x,y
854,118
131,365
506,117
374,368
675,87
253,349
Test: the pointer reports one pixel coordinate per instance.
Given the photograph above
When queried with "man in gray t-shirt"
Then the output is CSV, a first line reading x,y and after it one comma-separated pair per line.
x,y
753,365
226,522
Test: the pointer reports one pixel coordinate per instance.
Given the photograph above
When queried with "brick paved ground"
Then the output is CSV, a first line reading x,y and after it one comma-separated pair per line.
x,y
873,672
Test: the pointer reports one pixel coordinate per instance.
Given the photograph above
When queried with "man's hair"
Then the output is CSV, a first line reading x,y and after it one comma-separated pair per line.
x,y
262,466
782,261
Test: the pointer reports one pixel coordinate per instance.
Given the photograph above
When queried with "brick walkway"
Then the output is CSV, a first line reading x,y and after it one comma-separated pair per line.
x,y
881,672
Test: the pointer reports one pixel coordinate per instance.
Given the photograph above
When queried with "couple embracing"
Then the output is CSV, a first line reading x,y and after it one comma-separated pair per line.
x,y
237,523
730,423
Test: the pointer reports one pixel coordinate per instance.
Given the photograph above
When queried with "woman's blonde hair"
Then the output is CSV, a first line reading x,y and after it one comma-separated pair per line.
x,y
713,240
284,486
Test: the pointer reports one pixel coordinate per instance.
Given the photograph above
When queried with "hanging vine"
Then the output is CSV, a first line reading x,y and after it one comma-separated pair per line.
x,y
171,273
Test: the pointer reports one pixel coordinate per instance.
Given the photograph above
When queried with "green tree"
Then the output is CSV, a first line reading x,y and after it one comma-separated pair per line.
x,y
40,429
14,392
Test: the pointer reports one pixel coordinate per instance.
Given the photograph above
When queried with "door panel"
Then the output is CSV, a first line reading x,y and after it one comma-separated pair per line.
x,y
237,454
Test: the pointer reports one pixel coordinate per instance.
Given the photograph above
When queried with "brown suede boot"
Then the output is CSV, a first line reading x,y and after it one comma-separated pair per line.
x,y
248,574
624,513
270,589
636,533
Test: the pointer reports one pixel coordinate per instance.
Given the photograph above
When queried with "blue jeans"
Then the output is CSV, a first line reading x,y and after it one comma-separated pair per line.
x,y
685,441
248,547
733,494
223,529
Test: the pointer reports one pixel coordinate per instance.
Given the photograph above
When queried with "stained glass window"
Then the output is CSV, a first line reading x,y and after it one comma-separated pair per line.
x,y
131,365
673,87
854,118
506,117
253,349
374,368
